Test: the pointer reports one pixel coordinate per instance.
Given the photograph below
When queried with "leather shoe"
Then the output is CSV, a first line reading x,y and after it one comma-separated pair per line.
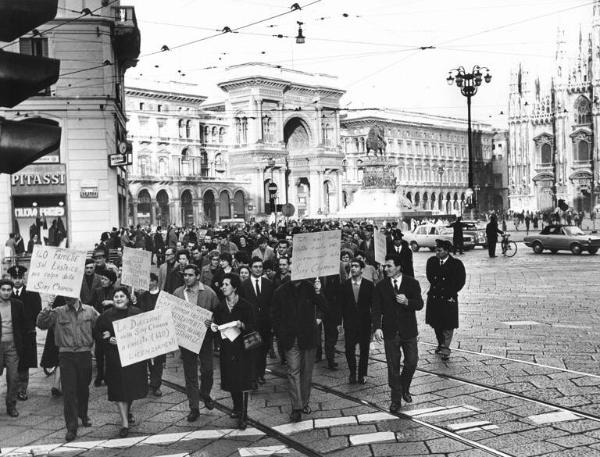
x,y
235,414
395,407
55,392
407,397
97,382
445,357
261,380
352,379
332,365
362,380
307,409
296,415
242,424
157,392
193,415
12,411
438,350
209,403
86,422
71,435
124,432
130,419
22,396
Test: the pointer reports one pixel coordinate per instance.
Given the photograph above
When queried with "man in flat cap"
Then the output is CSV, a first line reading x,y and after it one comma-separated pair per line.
x,y
446,274
32,305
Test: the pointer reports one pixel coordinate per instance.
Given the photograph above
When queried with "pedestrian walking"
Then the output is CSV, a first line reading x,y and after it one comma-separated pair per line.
x,y
446,276
198,294
457,235
125,384
356,301
398,245
236,363
258,291
32,305
491,232
102,299
396,300
298,308
147,302
74,339
13,333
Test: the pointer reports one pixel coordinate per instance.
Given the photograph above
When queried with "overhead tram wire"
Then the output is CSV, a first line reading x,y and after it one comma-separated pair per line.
x,y
231,30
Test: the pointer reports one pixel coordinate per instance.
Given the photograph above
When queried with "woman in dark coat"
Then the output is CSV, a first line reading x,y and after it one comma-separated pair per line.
x,y
125,384
237,367
49,358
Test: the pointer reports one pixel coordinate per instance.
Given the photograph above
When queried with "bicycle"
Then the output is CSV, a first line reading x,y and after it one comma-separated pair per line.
x,y
509,248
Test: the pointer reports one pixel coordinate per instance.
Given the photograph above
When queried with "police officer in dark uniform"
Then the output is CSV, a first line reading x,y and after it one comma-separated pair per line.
x,y
32,305
446,274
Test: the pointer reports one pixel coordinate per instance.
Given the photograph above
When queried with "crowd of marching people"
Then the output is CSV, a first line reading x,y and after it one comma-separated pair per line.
x,y
242,275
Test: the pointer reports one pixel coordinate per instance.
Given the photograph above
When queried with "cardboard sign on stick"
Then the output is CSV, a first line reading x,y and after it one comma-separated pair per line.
x,y
380,247
316,254
136,268
145,335
56,271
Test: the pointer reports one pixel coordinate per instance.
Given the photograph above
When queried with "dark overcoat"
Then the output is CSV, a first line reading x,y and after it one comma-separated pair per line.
x,y
236,363
442,298
124,383
356,316
32,305
19,325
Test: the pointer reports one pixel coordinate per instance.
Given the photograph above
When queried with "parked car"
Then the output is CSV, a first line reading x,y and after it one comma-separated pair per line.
x,y
563,238
424,236
477,230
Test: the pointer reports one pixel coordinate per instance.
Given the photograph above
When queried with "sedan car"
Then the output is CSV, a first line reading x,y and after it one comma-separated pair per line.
x,y
477,231
426,234
563,238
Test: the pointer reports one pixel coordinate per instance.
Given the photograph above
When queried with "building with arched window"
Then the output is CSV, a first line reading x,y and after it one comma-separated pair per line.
x,y
553,129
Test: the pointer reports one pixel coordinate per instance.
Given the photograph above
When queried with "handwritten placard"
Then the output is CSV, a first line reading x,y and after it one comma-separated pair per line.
x,y
56,271
316,254
145,335
380,247
136,268
188,319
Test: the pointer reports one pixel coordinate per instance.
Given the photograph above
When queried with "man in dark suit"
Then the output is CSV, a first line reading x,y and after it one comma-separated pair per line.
x,y
356,298
398,245
259,292
447,277
90,282
13,331
368,245
395,301
32,305
297,310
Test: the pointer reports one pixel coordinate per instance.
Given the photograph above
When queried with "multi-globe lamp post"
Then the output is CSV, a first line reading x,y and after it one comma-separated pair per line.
x,y
468,83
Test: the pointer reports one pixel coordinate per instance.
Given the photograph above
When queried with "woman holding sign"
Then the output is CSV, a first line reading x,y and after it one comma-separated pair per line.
x,y
235,319
125,384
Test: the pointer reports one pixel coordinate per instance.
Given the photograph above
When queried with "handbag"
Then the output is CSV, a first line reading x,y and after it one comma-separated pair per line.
x,y
252,340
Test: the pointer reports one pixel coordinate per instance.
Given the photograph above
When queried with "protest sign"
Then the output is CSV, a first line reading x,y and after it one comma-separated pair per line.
x,y
145,335
56,271
316,254
136,268
380,247
188,319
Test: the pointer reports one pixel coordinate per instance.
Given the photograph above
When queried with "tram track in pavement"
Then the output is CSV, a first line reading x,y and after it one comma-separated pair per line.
x,y
507,392
268,431
400,415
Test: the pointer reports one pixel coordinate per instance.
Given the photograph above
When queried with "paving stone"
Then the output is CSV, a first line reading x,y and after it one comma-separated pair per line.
x,y
573,440
398,449
352,429
446,445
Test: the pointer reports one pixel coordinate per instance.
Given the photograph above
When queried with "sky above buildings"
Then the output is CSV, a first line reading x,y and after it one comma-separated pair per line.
x,y
380,50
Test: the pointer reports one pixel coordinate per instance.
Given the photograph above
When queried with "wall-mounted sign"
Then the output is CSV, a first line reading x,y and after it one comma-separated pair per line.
x,y
88,189
37,179
120,160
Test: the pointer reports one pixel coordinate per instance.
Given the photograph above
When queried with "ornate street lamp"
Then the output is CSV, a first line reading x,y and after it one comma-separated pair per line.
x,y
468,84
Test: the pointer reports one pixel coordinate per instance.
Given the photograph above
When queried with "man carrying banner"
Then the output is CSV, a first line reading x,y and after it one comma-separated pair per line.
x,y
297,311
74,340
198,294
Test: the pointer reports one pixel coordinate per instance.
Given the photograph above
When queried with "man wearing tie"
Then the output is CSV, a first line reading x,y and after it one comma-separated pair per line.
x,y
356,298
32,305
401,247
395,301
259,292
447,277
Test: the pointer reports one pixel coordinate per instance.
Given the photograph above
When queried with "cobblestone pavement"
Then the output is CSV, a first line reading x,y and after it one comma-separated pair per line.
x,y
523,380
